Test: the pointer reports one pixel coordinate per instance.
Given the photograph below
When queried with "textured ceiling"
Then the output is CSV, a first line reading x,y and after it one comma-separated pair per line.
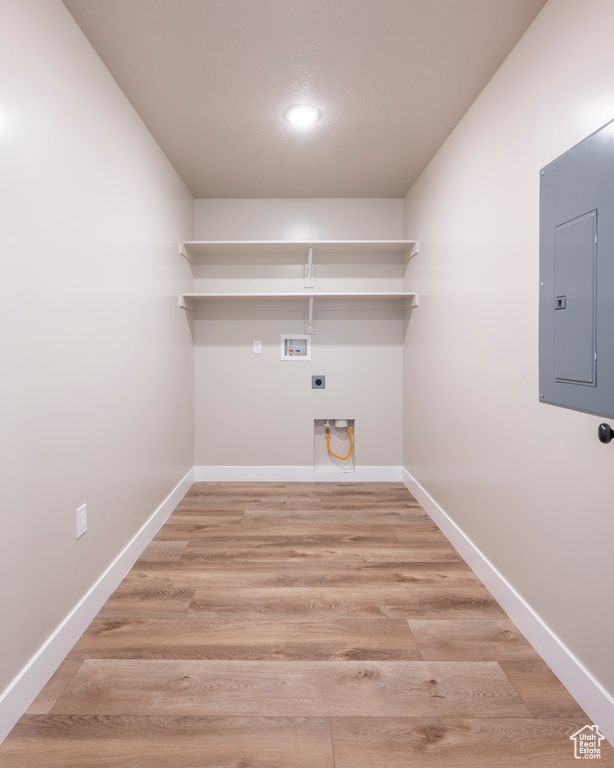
x,y
212,78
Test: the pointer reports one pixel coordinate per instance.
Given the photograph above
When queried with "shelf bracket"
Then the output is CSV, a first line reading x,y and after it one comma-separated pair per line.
x,y
309,278
183,252
309,318
411,252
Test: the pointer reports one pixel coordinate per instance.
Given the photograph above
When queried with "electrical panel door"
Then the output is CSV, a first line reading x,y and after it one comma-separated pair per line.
x,y
575,251
576,315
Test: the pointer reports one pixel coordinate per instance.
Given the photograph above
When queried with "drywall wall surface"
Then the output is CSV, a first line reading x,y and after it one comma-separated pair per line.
x,y
299,219
529,483
96,383
257,410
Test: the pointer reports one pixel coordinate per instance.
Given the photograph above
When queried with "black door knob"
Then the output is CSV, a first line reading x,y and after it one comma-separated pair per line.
x,y
605,433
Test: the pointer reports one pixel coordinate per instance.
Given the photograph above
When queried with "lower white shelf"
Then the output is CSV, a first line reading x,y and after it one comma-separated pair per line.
x,y
199,300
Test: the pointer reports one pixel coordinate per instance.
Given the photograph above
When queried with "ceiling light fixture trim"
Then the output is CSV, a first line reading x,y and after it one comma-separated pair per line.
x,y
302,114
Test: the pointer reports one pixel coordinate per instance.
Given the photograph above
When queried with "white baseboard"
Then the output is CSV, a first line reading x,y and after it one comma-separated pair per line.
x,y
25,687
586,690
295,475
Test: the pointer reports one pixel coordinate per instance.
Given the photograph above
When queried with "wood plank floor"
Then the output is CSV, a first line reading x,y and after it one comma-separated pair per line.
x,y
303,625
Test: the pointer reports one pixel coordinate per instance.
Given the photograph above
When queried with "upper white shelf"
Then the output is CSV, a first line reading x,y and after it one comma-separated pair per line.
x,y
192,248
193,300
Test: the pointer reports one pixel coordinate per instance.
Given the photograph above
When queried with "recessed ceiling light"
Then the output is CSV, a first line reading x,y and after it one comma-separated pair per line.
x,y
302,114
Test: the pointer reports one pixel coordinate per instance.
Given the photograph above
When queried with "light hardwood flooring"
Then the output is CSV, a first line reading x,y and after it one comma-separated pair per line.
x,y
303,625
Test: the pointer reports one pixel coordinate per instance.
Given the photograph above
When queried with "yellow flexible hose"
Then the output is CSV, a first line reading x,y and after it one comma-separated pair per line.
x,y
343,458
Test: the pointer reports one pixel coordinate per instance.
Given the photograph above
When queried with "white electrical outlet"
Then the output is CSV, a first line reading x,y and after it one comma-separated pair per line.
x,y
257,347
81,520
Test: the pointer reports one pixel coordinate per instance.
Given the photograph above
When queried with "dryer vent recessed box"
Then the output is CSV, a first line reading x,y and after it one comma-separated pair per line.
x,y
576,306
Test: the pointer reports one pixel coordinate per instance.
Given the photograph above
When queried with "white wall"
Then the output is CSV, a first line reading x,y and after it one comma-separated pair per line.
x,y
528,483
96,384
255,410
331,218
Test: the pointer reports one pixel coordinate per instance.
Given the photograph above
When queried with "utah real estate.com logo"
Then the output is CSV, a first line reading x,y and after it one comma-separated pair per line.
x,y
587,743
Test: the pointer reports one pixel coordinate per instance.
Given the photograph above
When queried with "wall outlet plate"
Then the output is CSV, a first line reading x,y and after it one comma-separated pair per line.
x,y
318,382
81,520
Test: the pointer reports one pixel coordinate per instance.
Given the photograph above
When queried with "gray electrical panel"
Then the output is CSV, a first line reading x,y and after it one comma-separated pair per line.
x,y
576,248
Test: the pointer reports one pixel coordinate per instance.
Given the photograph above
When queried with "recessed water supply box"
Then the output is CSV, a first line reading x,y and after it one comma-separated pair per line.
x,y
337,454
295,347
